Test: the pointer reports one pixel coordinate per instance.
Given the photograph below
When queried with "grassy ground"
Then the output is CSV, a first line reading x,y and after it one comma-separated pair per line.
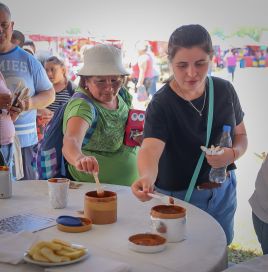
x,y
238,254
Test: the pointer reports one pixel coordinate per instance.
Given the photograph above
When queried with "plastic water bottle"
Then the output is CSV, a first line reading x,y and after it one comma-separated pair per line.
x,y
219,174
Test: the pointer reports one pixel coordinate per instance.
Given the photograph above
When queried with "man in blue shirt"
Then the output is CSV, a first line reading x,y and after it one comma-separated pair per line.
x,y
21,68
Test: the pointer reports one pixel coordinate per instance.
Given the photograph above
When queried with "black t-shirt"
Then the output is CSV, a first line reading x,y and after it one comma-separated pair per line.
x,y
174,121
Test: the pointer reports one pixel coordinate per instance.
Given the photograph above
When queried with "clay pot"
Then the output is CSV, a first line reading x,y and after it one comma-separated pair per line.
x,y
101,210
169,221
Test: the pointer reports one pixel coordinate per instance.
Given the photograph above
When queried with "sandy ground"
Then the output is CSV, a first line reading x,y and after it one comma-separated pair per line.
x,y
251,85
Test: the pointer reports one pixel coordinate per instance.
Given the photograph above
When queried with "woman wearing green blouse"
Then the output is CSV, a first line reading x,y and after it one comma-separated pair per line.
x,y
101,78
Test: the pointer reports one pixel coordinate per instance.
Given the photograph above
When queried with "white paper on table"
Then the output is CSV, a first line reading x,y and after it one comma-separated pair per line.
x,y
93,264
13,246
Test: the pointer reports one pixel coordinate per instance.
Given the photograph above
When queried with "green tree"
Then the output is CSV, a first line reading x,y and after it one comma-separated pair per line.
x,y
218,32
73,31
252,32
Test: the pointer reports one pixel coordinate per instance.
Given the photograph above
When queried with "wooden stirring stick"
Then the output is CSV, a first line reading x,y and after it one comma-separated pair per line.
x,y
100,191
168,200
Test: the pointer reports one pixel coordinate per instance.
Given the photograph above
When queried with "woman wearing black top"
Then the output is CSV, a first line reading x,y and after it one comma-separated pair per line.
x,y
176,125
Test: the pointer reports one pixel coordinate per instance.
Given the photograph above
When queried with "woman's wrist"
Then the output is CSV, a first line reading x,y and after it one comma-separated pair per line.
x,y
234,154
28,104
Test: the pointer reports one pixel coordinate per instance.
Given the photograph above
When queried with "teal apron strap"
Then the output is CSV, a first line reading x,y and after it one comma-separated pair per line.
x,y
201,158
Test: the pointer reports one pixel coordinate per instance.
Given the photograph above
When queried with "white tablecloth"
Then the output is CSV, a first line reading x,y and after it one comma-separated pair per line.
x,y
259,264
204,250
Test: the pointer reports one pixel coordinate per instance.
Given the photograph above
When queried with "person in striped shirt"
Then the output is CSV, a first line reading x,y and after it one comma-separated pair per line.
x,y
56,71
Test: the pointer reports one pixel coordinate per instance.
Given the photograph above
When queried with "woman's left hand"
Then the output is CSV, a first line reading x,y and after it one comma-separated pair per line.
x,y
217,161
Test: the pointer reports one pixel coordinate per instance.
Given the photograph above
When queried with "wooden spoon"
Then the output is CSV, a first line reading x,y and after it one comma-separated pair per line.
x,y
100,191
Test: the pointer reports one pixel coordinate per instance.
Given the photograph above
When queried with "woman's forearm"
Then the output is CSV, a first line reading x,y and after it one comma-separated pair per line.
x,y
42,99
240,145
147,165
71,150
148,158
240,142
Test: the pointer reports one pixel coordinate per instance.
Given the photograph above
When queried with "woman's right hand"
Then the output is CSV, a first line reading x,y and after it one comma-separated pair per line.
x,y
87,164
141,187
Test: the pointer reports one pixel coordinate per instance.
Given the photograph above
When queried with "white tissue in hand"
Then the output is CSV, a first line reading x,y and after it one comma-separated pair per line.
x,y
212,150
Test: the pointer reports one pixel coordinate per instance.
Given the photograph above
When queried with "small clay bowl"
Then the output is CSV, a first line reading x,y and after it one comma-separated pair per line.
x,y
86,225
168,211
147,243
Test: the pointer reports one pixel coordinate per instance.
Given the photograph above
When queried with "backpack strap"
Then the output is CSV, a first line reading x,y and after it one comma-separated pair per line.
x,y
95,115
70,88
122,93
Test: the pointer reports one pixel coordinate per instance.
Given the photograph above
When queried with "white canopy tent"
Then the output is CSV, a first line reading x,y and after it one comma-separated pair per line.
x,y
132,20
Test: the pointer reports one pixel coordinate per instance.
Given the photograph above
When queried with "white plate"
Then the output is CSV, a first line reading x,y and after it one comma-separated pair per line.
x,y
146,249
27,258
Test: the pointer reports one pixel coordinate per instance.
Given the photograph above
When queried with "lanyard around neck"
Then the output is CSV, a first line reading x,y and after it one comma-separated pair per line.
x,y
201,158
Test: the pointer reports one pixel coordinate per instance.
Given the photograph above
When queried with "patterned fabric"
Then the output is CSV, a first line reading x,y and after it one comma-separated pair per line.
x,y
48,163
117,162
109,133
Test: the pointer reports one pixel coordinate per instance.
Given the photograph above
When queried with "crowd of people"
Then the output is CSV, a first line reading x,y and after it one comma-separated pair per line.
x,y
175,124
233,57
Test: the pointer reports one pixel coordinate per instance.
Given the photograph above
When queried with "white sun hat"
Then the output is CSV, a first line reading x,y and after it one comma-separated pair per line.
x,y
102,60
